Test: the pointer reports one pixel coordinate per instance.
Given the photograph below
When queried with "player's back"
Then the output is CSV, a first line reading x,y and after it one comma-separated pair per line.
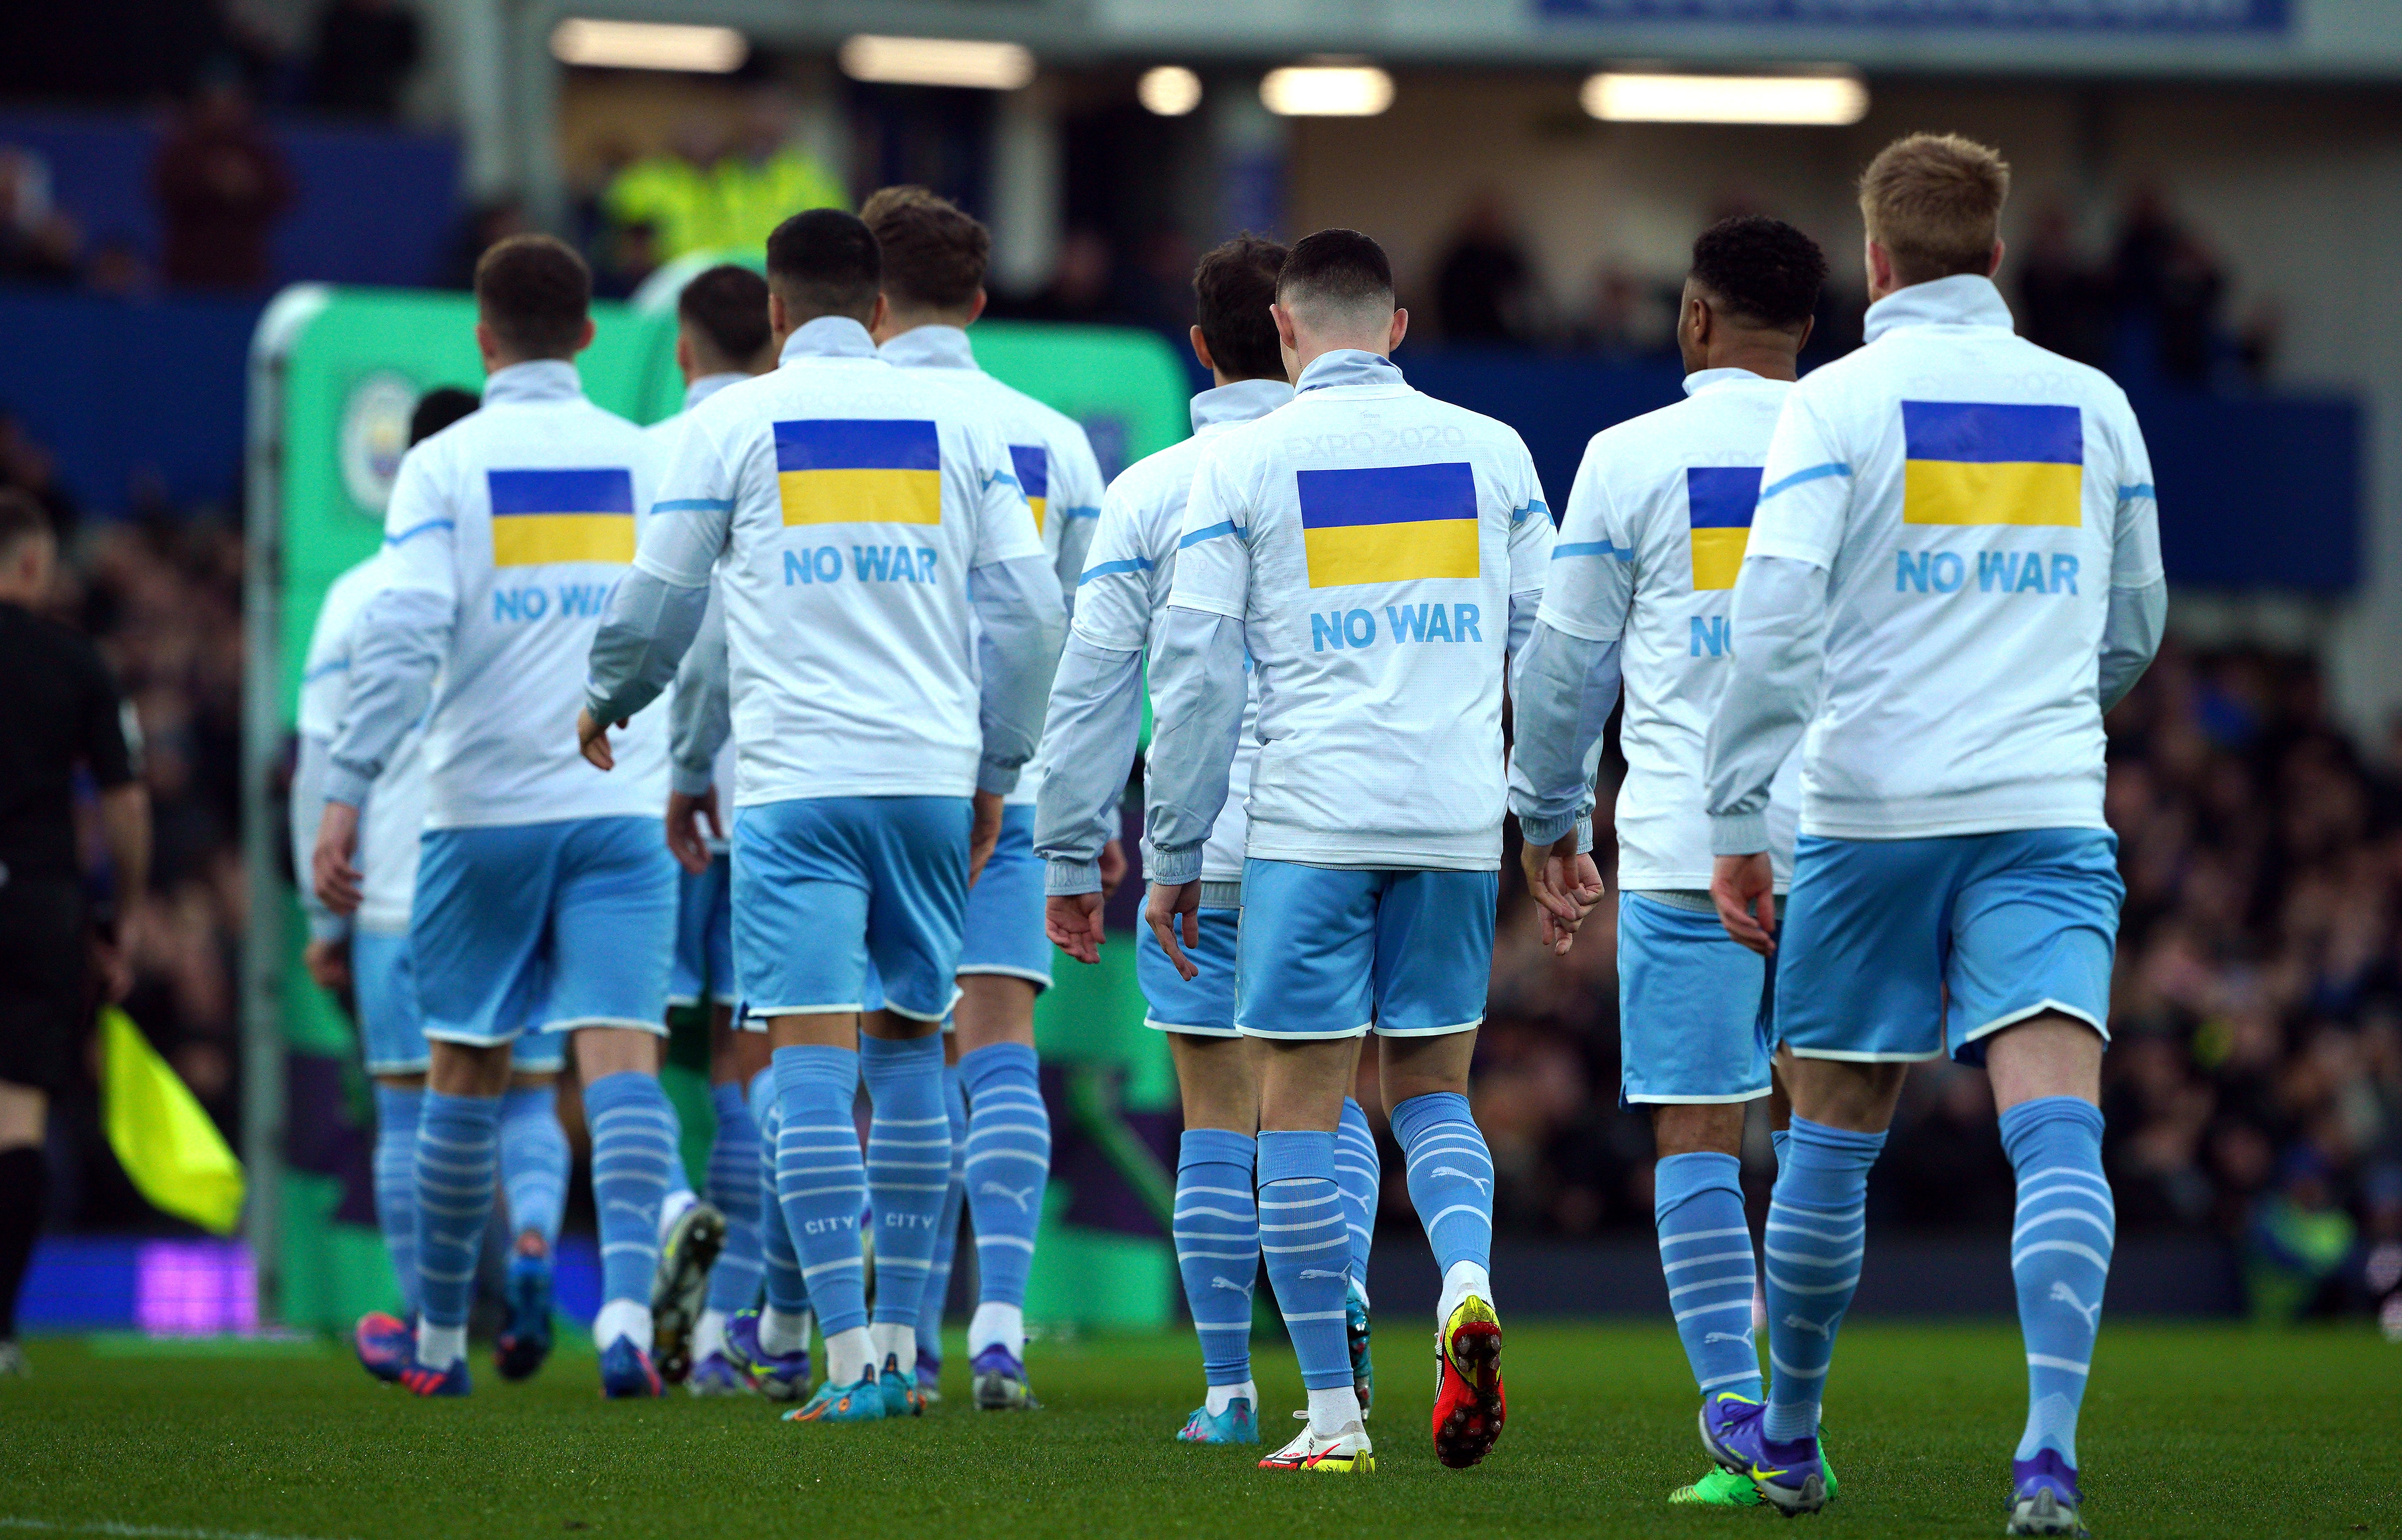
x,y
525,512
863,498
1387,531
1971,496
666,438
396,810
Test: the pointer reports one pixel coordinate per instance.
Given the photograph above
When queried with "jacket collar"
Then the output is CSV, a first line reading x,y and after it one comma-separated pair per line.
x,y
1963,300
1710,379
1244,401
543,380
709,385
929,347
1349,366
828,337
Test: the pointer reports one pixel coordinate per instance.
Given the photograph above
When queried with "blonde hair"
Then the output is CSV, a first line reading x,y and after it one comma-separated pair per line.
x,y
1934,202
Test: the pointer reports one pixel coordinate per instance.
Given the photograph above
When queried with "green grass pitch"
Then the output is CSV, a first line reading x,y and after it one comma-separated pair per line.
x,y
2187,1431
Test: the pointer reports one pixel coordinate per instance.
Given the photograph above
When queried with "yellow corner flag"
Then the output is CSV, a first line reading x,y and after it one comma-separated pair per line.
x,y
165,1142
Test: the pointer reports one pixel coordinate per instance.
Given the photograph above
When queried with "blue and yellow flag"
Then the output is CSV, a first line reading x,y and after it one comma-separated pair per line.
x,y
1391,524
1986,462
832,469
1719,500
1033,462
541,517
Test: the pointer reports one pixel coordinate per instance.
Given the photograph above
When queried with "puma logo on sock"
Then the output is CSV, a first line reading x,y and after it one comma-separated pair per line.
x,y
1320,1273
1220,1280
1482,1183
2062,1294
1020,1199
1815,1328
1742,1336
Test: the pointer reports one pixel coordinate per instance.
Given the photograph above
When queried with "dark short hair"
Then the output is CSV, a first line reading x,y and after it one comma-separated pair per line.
x,y
728,307
935,252
1341,268
1232,289
1761,269
437,408
20,518
535,293
825,262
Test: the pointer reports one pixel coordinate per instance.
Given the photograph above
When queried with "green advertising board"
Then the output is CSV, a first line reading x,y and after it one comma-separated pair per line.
x,y
335,376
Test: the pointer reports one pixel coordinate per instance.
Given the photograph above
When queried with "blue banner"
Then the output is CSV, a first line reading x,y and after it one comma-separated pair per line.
x,y
2180,16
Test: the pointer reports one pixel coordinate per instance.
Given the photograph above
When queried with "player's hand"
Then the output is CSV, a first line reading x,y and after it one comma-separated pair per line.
x,y
686,815
1565,885
1113,867
1073,922
1744,888
984,835
1169,903
331,869
593,739
329,963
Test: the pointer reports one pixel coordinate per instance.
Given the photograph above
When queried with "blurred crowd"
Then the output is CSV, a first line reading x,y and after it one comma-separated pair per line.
x,y
2253,1088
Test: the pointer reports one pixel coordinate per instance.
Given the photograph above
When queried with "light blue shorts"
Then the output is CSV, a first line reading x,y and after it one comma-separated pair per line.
x,y
1876,932
1004,932
704,944
822,884
543,928
1335,952
1692,1023
391,1035
1204,1007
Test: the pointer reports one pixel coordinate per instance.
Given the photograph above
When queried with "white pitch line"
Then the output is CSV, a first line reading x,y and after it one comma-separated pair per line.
x,y
137,1532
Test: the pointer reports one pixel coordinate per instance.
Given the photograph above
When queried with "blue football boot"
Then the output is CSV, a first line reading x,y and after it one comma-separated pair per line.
x,y
625,1372
902,1397
1001,1384
1355,1334
863,1402
1789,1476
1236,1425
2043,1497
776,1376
524,1339
385,1343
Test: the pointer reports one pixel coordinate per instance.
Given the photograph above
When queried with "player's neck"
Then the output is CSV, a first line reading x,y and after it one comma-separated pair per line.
x,y
1764,360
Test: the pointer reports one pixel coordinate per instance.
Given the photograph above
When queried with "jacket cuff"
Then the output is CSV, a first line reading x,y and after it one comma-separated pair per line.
x,y
326,926
1064,878
996,779
1175,868
1552,830
1738,833
346,786
691,783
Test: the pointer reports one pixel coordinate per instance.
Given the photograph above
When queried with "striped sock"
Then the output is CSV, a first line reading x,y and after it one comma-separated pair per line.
x,y
1450,1176
1217,1233
1817,1228
908,1173
1309,1250
787,1291
2060,1256
1356,1172
1008,1165
395,1184
947,1230
733,1189
1706,1254
456,1154
820,1181
533,1161
633,1153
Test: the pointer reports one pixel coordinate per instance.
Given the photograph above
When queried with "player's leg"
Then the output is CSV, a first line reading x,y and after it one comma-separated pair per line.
x,y
918,895
613,935
2033,937
533,1185
24,1187
1216,1218
947,1230
45,1014
392,1041
1357,1170
769,1346
1304,991
735,1060
1005,964
1434,958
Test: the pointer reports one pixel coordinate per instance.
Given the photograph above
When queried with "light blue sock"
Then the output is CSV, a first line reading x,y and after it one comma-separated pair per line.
x,y
456,1158
786,1289
1008,1165
2060,1254
1705,1254
1356,1171
1817,1230
679,1179
395,1184
908,1168
1217,1235
1308,1249
633,1151
946,1231
1450,1176
533,1161
1778,1140
734,1190
820,1181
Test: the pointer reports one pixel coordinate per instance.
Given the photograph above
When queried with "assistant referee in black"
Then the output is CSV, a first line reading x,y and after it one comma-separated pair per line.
x,y
53,937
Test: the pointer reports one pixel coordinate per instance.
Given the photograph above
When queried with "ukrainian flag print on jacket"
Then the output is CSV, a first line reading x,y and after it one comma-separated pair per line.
x,y
1390,524
544,516
1990,462
1032,462
860,470
1718,504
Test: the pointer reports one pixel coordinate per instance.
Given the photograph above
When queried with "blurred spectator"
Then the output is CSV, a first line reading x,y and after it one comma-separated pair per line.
x,y
669,191
37,242
221,186
2064,301
484,226
1082,287
711,191
1483,284
26,465
1626,314
2166,280
364,54
628,254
